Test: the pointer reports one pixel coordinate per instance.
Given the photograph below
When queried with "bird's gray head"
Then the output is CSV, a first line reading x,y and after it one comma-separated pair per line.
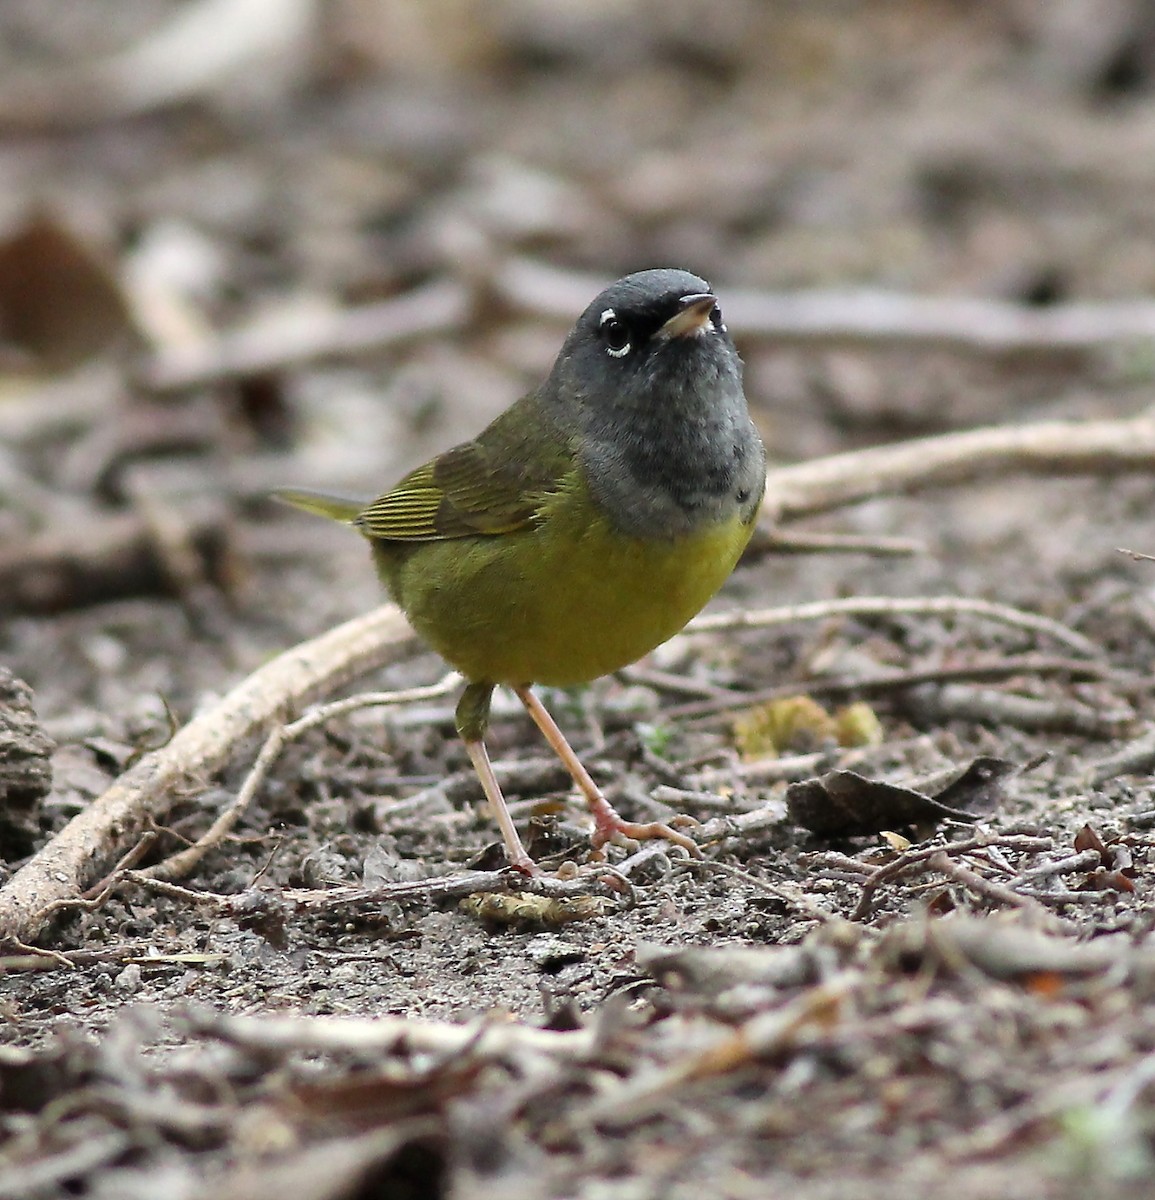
x,y
647,340
650,380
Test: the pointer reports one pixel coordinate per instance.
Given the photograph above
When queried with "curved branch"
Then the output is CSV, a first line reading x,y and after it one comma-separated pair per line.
x,y
92,841
1047,448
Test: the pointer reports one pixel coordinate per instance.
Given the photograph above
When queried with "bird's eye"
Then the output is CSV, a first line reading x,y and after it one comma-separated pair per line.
x,y
615,333
716,319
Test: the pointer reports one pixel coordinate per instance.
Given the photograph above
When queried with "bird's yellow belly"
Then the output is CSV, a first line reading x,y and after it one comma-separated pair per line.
x,y
559,604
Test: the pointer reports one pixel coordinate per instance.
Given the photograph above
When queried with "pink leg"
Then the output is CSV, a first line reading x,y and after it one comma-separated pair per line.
x,y
518,857
608,824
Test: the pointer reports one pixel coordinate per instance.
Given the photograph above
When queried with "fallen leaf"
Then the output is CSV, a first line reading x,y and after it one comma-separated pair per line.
x,y
505,909
846,804
60,298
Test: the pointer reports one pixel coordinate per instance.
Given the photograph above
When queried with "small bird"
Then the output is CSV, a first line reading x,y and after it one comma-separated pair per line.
x,y
584,526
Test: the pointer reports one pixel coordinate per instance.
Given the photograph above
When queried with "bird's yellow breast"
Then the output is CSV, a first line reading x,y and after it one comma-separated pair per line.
x,y
560,603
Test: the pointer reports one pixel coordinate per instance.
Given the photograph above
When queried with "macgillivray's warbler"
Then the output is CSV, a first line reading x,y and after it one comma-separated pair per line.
x,y
583,527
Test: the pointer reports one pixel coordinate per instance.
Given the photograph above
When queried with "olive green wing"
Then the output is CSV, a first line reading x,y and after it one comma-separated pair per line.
x,y
495,484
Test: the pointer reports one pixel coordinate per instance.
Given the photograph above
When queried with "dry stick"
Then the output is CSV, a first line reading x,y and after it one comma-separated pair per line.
x,y
1035,665
795,897
1049,447
66,865
741,825
885,606
986,706
791,767
61,408
792,1025
1135,758
342,898
919,856
179,865
977,883
489,1039
96,894
53,1173
779,541
113,822
1085,860
104,558
198,50
871,317
434,308
99,894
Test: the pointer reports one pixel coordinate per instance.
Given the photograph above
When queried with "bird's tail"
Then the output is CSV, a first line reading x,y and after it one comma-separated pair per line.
x,y
321,504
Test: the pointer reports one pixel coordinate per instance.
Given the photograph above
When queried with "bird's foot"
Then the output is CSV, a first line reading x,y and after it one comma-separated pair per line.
x,y
611,826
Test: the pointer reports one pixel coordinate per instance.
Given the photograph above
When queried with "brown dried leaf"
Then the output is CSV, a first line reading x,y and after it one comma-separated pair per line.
x,y
846,804
360,1102
1106,881
60,300
979,786
1088,839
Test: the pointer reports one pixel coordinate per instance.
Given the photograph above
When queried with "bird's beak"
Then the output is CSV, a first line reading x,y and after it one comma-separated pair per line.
x,y
691,319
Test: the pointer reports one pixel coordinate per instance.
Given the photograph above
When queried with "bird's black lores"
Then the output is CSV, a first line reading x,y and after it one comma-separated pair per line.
x,y
585,525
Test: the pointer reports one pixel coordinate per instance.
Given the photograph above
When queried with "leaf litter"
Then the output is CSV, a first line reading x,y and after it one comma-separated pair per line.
x,y
910,990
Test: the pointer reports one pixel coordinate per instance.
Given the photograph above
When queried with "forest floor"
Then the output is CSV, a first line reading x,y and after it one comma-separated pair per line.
x,y
862,1004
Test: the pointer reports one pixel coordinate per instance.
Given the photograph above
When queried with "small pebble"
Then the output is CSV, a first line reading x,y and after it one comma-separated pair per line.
x,y
548,953
130,978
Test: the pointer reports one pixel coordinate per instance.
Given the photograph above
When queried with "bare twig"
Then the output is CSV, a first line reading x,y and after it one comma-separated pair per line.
x,y
1136,757
889,606
868,317
105,557
111,824
989,707
678,685
792,896
794,1024
200,48
788,768
97,893
1085,860
179,865
779,541
53,1171
742,824
487,1039
436,308
343,898
920,855
1059,899
974,882
1049,447
1030,665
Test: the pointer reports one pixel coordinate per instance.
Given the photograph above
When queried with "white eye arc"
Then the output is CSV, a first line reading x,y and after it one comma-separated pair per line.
x,y
616,334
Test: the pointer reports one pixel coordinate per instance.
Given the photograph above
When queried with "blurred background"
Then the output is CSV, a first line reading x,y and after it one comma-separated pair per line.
x,y
246,243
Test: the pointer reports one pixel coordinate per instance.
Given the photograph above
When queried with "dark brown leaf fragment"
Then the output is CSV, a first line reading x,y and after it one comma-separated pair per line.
x,y
846,804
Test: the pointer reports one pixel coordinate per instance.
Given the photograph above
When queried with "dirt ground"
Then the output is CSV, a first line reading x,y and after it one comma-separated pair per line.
x,y
849,995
